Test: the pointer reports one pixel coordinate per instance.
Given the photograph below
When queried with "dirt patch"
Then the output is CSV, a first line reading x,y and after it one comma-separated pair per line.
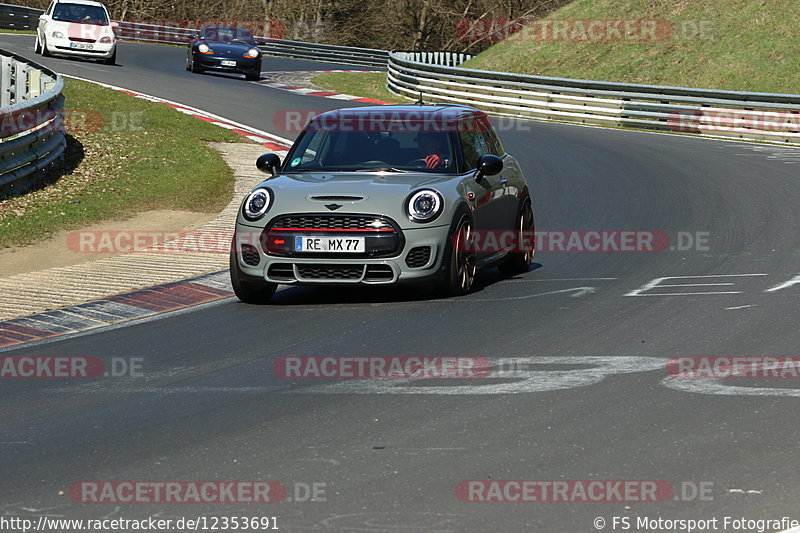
x,y
56,252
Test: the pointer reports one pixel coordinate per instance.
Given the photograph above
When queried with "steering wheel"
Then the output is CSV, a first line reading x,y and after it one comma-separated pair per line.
x,y
418,162
374,162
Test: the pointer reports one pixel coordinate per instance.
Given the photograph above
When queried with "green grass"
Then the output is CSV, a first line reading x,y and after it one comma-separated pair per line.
x,y
365,84
749,45
125,155
21,32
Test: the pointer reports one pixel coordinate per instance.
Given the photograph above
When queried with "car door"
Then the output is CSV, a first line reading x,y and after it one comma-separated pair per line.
x,y
509,179
488,207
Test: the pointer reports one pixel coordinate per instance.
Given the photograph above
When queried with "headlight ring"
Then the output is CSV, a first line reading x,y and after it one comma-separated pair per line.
x,y
424,206
256,204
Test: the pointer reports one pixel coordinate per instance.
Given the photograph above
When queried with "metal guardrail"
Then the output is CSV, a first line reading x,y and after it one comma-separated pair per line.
x,y
26,18
31,121
759,116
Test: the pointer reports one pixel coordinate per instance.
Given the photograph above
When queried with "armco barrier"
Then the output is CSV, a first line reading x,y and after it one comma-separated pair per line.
x,y
759,116
31,121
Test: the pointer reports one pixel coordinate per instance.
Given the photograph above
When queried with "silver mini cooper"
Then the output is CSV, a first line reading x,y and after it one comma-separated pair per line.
x,y
420,194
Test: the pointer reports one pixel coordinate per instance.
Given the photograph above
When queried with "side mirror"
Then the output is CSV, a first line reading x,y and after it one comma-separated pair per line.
x,y
488,165
268,163
194,37
260,42
114,24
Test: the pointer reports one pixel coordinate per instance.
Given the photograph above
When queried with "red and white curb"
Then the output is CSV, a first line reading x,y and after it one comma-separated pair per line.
x,y
268,140
308,91
116,309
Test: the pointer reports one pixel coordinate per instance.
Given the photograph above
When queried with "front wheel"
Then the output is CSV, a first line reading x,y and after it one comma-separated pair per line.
x,y
520,261
461,266
111,60
43,45
195,67
248,289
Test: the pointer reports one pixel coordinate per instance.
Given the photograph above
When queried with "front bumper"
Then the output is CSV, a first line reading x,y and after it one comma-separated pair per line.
x,y
214,63
64,47
422,266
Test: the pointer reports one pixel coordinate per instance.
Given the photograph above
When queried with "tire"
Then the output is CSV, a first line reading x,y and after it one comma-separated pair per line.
x,y
252,77
520,262
196,69
459,275
45,52
248,289
111,60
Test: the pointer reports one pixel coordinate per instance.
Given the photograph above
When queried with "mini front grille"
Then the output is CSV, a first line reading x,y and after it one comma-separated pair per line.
x,y
250,255
418,257
379,273
81,40
332,272
333,222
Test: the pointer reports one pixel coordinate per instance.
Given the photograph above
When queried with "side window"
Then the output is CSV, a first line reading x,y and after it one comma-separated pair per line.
x,y
495,148
473,143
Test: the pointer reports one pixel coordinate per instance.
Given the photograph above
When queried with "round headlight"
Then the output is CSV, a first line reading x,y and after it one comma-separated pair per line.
x,y
204,48
105,40
424,206
252,53
256,204
58,35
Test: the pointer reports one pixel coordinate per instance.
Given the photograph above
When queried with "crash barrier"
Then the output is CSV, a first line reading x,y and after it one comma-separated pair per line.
x,y
759,116
26,18
31,122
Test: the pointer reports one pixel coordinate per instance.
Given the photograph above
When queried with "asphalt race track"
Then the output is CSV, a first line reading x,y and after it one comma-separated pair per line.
x,y
588,335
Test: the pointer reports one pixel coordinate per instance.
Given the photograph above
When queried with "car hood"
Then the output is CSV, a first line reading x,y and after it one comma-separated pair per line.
x,y
366,193
228,47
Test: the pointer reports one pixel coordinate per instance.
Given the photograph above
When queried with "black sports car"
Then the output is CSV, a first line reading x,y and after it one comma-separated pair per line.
x,y
225,49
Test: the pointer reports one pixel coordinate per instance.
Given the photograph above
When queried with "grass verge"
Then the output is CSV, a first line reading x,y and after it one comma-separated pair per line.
x,y
365,84
720,44
124,155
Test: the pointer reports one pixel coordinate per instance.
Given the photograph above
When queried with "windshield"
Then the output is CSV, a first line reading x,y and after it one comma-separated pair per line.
x,y
80,13
226,33
349,151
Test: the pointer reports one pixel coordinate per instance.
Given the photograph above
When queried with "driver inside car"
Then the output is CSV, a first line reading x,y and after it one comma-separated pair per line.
x,y
433,150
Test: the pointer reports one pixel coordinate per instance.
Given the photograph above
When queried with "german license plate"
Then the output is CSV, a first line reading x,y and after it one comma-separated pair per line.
x,y
228,63
81,46
330,244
